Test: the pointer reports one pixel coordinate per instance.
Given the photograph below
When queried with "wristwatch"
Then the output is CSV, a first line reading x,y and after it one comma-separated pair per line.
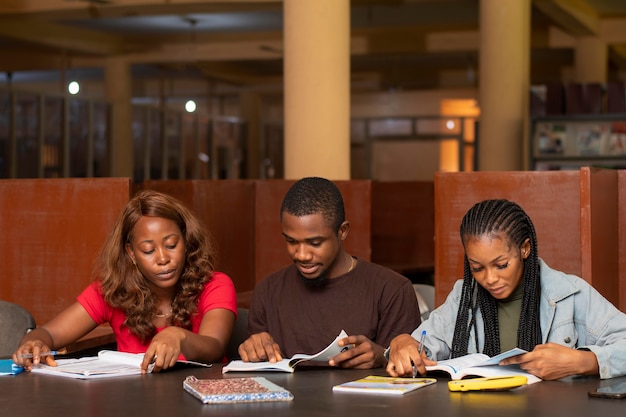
x,y
386,353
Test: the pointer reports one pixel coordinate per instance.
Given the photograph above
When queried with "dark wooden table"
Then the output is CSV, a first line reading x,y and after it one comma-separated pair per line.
x,y
162,394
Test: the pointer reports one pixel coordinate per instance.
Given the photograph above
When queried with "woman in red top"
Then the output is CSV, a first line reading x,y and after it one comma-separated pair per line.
x,y
155,286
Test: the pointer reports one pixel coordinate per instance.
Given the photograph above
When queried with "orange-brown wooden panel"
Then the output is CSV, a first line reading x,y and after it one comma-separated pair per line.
x,y
551,199
403,225
52,231
271,253
226,207
599,231
182,190
622,237
565,206
357,198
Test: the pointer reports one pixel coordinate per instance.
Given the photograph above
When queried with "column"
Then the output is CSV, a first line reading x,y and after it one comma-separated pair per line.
x,y
118,85
317,88
504,84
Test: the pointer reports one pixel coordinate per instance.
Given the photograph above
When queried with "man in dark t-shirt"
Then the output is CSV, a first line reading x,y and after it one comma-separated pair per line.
x,y
303,307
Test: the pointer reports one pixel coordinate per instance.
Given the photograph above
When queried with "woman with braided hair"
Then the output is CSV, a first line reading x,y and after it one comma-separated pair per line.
x,y
509,297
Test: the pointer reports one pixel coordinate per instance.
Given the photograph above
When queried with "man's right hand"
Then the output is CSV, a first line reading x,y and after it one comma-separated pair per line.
x,y
260,347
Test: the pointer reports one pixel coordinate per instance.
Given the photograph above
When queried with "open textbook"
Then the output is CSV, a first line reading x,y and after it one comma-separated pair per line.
x,y
289,364
108,363
481,365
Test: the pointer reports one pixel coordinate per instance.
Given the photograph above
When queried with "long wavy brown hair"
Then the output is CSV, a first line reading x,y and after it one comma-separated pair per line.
x,y
124,287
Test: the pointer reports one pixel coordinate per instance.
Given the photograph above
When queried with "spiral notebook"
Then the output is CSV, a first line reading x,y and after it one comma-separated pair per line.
x,y
235,390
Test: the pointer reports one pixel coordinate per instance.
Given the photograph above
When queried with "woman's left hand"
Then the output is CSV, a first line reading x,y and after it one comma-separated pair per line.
x,y
553,361
164,349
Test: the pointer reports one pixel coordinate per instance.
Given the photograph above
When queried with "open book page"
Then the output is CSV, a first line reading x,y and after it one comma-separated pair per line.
x,y
288,365
241,366
508,354
452,366
495,371
325,355
384,385
235,390
107,364
478,364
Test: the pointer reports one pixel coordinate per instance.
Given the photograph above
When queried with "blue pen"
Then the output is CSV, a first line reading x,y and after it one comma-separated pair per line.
x,y
49,353
422,342
421,349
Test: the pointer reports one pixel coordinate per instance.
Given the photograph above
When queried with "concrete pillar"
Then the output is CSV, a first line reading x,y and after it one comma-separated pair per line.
x,y
504,84
591,60
317,88
118,85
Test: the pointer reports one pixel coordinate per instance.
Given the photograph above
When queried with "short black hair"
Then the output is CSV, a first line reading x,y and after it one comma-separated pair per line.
x,y
312,195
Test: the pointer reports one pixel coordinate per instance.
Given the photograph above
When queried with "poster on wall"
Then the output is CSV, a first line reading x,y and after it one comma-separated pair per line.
x,y
551,138
616,144
569,145
591,138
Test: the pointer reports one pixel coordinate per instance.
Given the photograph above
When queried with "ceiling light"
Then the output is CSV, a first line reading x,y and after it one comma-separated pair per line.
x,y
190,106
73,87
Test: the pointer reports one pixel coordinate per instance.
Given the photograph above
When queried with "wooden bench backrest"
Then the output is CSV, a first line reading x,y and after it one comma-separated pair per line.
x,y
271,253
574,213
226,207
243,217
403,225
52,231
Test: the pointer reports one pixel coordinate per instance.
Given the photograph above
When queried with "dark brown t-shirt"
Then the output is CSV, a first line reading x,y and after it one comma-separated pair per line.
x,y
370,300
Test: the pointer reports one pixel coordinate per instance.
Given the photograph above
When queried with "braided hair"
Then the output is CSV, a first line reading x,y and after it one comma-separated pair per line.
x,y
508,220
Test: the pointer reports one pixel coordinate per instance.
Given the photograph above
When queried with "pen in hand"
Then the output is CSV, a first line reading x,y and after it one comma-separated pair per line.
x,y
421,349
49,353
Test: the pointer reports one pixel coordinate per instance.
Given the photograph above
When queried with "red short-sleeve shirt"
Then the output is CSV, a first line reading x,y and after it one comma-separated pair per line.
x,y
219,292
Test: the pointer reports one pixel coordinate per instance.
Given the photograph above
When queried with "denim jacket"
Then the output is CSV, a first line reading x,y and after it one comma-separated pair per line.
x,y
572,314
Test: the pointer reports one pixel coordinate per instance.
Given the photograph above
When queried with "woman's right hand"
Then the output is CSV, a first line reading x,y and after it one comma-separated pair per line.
x,y
404,357
71,324
29,354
